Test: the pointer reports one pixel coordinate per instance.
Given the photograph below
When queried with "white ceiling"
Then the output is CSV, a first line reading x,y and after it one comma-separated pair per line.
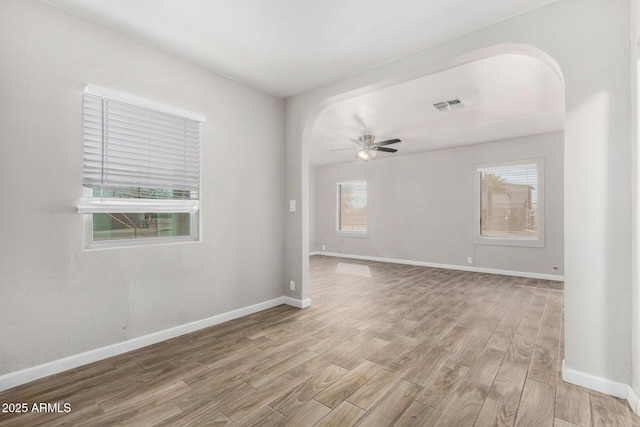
x,y
285,47
507,96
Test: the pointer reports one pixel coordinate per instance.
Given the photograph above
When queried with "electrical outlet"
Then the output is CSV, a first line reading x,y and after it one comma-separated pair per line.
x,y
324,248
469,260
292,285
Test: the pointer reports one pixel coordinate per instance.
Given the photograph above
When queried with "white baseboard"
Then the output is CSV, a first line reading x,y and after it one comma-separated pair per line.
x,y
13,379
542,276
602,385
299,303
633,400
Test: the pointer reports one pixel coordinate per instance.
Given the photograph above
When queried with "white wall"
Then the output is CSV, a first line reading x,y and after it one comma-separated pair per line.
x,y
590,42
635,197
58,300
313,240
420,207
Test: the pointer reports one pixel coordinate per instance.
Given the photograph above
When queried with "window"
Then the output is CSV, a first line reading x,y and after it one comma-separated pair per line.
x,y
352,206
510,204
141,171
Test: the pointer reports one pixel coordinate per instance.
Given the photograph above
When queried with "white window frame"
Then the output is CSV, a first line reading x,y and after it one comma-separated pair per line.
x,y
350,233
522,241
89,205
105,207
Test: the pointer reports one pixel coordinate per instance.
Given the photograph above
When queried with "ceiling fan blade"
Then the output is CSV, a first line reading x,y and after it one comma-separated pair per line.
x,y
342,149
386,150
356,141
388,142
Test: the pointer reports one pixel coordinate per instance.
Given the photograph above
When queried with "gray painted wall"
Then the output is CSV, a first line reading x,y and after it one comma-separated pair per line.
x,y
421,206
58,300
313,240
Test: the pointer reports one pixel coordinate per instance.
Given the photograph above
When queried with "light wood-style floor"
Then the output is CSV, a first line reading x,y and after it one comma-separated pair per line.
x,y
409,346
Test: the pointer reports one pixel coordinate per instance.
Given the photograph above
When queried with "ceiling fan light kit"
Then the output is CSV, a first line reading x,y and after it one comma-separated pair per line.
x,y
366,155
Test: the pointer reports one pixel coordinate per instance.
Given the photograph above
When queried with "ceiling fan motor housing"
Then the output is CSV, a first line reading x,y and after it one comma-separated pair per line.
x,y
366,140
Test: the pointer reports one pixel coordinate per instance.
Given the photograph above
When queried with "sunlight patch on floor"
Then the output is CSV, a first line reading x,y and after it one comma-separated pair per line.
x,y
353,269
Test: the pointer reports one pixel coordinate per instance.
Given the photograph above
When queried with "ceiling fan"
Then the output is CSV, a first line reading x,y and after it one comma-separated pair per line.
x,y
368,147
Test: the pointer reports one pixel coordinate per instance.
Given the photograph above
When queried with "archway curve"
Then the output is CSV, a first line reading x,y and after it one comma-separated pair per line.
x,y
442,66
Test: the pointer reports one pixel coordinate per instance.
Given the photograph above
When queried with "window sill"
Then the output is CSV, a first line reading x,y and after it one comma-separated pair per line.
x,y
509,241
90,205
356,234
134,243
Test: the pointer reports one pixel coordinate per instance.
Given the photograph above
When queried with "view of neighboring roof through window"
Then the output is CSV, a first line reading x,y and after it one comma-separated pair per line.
x,y
510,203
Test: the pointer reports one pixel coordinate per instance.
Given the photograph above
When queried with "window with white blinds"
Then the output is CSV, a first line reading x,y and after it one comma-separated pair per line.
x,y
352,206
127,147
510,201
141,167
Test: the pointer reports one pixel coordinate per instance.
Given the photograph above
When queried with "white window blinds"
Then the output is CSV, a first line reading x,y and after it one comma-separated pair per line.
x,y
136,152
352,206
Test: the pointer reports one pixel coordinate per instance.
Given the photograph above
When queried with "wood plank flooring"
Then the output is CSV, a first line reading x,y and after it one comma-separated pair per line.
x,y
410,346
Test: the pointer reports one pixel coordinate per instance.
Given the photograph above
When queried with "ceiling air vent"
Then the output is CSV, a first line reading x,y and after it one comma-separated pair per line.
x,y
449,105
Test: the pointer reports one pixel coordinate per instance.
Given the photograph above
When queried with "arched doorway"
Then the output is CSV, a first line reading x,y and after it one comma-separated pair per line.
x,y
537,77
